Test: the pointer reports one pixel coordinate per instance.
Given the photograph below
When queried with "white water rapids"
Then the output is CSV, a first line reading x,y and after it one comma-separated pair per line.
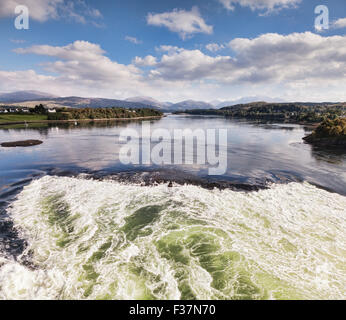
x,y
91,239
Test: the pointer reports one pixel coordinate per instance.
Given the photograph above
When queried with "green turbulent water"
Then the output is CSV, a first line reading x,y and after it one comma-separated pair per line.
x,y
106,240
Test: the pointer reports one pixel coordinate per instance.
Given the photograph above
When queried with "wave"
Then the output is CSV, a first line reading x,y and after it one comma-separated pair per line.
x,y
91,239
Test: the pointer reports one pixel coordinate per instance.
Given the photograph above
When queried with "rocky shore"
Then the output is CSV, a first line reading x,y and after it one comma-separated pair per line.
x,y
330,133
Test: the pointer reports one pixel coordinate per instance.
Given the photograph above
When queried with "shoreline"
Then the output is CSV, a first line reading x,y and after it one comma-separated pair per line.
x,y
78,120
312,125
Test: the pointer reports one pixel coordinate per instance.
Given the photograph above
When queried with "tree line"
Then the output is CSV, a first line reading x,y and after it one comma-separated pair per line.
x,y
102,113
278,112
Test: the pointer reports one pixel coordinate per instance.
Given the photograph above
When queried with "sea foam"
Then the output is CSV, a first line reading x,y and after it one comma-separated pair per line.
x,y
91,239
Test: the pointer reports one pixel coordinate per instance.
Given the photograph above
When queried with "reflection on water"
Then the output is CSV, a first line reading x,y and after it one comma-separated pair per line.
x,y
45,128
258,152
331,155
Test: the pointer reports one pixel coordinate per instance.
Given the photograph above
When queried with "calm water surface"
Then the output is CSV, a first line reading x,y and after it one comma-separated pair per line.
x,y
257,153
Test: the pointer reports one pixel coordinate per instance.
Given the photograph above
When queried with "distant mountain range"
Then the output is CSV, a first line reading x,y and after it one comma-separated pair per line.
x,y
20,96
222,104
191,104
32,98
151,101
169,106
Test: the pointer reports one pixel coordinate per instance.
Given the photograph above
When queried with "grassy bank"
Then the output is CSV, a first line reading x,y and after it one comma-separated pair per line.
x,y
80,115
6,118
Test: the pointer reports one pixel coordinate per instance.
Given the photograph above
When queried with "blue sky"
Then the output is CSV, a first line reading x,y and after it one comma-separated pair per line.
x,y
175,50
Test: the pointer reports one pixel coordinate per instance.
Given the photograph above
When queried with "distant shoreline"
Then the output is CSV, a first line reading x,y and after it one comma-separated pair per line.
x,y
311,125
78,120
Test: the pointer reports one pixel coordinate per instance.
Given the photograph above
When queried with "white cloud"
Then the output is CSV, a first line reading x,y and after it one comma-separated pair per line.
x,y
291,58
268,5
82,68
84,64
185,23
43,10
40,10
28,80
190,65
214,47
168,48
144,62
340,23
270,58
298,66
78,50
133,40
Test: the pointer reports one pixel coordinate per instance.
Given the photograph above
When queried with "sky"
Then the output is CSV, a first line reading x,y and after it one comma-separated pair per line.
x,y
174,50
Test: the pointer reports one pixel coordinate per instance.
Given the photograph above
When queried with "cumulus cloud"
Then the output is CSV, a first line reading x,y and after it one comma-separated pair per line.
x,y
294,57
83,69
43,10
144,62
270,58
291,66
168,48
85,64
78,50
268,5
133,40
185,23
190,65
340,23
214,47
40,10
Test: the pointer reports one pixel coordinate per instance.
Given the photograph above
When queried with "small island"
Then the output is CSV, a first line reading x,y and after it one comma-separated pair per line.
x,y
330,133
25,143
